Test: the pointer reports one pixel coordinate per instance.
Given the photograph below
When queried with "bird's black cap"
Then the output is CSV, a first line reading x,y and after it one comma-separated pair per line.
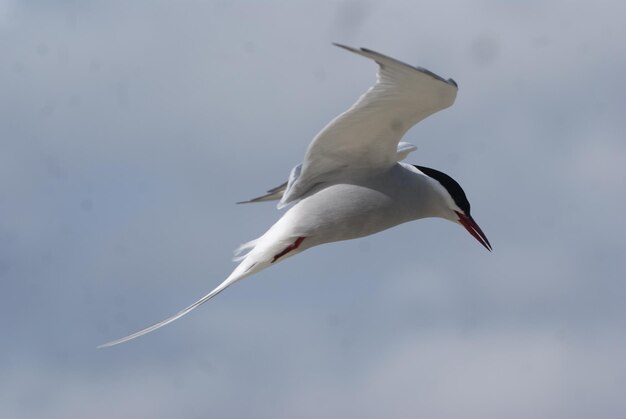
x,y
451,185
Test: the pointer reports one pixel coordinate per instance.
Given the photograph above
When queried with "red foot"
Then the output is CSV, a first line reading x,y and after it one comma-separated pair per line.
x,y
292,246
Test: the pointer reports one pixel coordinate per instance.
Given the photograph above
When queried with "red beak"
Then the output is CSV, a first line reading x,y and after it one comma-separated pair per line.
x,y
473,229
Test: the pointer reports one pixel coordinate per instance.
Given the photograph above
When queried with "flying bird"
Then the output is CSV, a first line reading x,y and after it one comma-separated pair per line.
x,y
352,182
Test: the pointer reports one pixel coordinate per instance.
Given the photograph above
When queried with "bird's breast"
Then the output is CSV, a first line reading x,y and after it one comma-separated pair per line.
x,y
355,209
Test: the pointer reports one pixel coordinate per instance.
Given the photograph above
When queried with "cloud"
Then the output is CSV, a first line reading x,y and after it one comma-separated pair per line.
x,y
129,131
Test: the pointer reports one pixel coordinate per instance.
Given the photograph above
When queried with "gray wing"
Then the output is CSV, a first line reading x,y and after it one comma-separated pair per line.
x,y
276,194
273,194
367,134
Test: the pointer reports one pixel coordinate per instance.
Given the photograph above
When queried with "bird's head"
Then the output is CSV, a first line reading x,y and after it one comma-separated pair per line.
x,y
456,207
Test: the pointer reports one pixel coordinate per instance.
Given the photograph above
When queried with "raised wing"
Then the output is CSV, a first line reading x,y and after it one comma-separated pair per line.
x,y
367,135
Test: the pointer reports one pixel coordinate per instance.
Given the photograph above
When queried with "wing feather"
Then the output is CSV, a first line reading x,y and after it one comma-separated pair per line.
x,y
277,192
367,134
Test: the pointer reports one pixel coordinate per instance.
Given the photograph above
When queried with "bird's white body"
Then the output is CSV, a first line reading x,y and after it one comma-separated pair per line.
x,y
351,182
364,204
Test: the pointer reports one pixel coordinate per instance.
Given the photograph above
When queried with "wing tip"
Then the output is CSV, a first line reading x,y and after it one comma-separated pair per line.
x,y
376,56
337,44
359,51
264,198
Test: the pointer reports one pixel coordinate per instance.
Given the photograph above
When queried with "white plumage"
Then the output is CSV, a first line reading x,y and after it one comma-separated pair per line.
x,y
351,183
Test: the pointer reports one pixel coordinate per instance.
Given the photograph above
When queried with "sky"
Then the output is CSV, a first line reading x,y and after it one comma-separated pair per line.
x,y
128,130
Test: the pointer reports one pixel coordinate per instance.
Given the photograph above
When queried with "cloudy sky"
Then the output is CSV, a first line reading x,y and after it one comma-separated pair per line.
x,y
128,131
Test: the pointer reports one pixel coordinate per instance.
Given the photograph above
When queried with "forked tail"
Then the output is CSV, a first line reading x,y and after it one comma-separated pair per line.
x,y
264,251
244,269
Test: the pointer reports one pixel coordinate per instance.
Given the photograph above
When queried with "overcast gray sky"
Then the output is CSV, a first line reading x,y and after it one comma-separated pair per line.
x,y
128,131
